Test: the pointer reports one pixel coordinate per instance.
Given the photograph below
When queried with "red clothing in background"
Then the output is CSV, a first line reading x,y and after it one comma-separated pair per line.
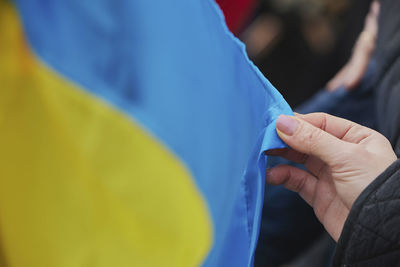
x,y
236,12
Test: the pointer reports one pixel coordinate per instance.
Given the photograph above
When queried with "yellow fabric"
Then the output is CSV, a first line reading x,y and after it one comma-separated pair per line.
x,y
81,184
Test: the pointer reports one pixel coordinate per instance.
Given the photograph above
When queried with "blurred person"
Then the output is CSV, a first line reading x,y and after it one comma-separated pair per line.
x,y
352,172
304,39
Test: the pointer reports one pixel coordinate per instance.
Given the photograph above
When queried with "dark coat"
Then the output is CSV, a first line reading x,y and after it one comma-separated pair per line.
x,y
371,234
387,82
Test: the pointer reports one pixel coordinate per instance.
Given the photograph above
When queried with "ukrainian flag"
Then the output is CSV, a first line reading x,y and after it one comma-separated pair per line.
x,y
131,134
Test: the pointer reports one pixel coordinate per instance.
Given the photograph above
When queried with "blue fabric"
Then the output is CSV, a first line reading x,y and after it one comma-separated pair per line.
x,y
288,224
175,68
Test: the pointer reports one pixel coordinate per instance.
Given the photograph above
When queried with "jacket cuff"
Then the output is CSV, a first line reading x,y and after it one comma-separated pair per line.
x,y
370,235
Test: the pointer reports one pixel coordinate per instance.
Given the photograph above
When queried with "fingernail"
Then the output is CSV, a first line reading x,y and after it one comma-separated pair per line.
x,y
286,124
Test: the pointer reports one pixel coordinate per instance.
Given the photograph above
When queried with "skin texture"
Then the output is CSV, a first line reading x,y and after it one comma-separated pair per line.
x,y
341,158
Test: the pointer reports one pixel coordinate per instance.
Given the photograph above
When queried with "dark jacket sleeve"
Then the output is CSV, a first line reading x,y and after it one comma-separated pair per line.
x,y
371,234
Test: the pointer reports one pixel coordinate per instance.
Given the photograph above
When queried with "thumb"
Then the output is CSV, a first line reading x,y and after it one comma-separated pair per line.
x,y
308,139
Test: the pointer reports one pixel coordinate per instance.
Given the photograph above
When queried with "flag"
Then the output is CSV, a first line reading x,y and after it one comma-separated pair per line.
x,y
131,134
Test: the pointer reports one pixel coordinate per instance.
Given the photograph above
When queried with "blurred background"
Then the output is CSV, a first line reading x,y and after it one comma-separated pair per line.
x,y
306,40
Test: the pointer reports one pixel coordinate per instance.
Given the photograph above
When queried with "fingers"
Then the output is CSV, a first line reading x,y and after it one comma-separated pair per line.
x,y
353,72
306,138
363,49
313,164
338,80
359,61
321,139
293,179
288,154
336,126
371,21
341,128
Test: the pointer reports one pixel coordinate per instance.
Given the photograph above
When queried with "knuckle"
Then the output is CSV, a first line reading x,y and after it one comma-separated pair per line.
x,y
295,182
322,170
298,184
311,139
385,142
324,122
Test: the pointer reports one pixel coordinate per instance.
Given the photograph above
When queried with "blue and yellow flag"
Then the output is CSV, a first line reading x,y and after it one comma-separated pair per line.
x,y
131,134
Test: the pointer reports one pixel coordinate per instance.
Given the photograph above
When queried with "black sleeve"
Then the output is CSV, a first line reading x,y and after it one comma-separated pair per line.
x,y
371,234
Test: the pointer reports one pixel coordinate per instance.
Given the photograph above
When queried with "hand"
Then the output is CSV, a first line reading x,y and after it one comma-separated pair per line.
x,y
341,157
353,72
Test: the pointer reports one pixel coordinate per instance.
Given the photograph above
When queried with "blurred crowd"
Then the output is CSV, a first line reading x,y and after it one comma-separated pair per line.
x,y
307,40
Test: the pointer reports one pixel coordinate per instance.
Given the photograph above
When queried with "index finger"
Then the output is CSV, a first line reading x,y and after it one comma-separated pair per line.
x,y
338,127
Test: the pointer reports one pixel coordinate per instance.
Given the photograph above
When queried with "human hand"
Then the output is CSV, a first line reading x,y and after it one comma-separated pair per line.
x,y
342,159
353,72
